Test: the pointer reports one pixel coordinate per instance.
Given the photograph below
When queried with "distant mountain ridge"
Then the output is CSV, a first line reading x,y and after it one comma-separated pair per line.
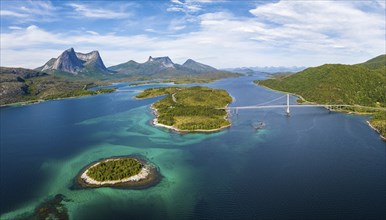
x,y
267,69
90,65
75,63
161,67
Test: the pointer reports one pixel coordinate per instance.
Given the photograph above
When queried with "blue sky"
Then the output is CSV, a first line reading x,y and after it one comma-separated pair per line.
x,y
219,33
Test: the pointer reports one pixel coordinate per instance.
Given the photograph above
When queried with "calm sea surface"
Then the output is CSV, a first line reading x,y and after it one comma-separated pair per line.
x,y
312,165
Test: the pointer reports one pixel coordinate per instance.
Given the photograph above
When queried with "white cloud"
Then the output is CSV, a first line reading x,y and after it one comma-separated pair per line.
x,y
29,11
321,25
12,14
15,28
103,13
177,25
187,7
92,32
150,30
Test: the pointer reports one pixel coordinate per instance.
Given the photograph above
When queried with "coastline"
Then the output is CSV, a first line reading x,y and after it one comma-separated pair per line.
x,y
155,123
342,111
32,102
375,129
147,177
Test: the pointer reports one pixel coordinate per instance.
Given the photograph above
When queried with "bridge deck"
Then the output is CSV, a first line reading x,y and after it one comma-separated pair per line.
x,y
300,106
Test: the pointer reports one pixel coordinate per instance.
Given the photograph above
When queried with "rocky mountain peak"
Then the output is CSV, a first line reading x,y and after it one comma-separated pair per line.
x,y
74,62
196,66
164,61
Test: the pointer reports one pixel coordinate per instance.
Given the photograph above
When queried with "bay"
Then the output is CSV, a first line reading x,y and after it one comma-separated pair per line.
x,y
312,165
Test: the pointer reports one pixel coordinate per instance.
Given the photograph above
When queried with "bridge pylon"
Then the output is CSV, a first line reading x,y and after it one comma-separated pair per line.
x,y
288,106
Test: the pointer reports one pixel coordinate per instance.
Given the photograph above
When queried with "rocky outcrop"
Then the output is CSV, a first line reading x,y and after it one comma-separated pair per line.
x,y
74,62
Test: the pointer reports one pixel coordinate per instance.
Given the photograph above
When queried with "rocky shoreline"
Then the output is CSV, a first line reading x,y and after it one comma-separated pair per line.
x,y
147,177
375,129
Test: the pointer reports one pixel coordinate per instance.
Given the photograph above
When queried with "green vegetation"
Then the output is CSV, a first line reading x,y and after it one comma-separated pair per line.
x,y
362,84
80,92
190,108
115,169
154,92
379,122
23,85
335,84
375,63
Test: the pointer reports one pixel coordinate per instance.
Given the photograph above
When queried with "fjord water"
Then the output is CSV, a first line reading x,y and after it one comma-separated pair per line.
x,y
312,165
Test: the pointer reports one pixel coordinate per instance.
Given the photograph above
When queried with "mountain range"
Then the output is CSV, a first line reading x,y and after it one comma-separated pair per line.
x,y
81,65
72,73
160,67
267,69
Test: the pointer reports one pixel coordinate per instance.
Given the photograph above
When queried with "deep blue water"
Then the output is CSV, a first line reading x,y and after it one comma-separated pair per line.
x,y
312,165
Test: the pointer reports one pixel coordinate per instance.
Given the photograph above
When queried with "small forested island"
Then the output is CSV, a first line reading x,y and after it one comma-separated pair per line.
x,y
190,109
126,172
362,84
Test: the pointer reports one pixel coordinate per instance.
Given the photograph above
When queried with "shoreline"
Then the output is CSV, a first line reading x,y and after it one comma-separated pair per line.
x,y
341,111
147,177
375,129
155,123
32,102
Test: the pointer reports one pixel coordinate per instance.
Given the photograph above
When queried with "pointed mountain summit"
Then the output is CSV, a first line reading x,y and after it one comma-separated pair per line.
x,y
76,63
199,67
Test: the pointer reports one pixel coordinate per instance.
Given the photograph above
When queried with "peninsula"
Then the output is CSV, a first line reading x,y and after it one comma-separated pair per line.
x,y
125,172
189,109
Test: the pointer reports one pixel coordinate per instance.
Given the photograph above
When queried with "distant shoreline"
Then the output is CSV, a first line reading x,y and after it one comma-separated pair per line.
x,y
32,102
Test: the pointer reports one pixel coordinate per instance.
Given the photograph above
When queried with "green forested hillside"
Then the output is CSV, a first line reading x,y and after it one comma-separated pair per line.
x,y
360,84
335,84
375,63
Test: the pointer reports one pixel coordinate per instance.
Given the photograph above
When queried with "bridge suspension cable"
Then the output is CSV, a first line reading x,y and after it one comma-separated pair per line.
x,y
264,103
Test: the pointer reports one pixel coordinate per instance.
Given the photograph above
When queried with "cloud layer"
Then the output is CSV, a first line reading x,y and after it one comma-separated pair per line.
x,y
285,33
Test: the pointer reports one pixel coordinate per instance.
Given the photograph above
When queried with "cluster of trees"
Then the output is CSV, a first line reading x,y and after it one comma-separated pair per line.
x,y
379,122
115,169
154,92
80,92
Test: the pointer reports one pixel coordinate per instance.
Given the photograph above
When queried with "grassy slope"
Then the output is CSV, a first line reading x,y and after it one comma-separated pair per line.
x,y
194,109
363,84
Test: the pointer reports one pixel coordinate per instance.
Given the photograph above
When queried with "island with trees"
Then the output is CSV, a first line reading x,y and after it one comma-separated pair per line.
x,y
123,172
190,109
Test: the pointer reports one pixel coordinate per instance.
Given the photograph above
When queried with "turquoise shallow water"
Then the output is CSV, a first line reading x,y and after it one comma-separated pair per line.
x,y
313,165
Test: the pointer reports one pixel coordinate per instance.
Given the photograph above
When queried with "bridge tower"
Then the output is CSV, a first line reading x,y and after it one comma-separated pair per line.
x,y
288,106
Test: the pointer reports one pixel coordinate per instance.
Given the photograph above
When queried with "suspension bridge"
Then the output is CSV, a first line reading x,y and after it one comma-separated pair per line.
x,y
288,106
